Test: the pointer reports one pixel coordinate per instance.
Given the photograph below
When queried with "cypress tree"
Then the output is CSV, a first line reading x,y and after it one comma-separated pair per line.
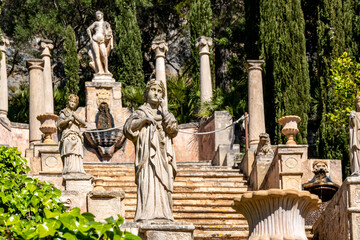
x,y
128,60
335,35
71,63
200,25
282,29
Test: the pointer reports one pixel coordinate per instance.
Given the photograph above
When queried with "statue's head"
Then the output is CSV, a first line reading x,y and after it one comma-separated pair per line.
x,y
99,15
357,103
72,101
155,90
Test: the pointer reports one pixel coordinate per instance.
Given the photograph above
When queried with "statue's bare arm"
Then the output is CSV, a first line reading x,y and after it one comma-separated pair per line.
x,y
89,29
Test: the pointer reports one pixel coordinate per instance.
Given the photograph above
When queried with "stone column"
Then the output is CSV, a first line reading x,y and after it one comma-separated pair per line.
x,y
276,213
36,107
160,47
255,101
46,46
3,79
203,43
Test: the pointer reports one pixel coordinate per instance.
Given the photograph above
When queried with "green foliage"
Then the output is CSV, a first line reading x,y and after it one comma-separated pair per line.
x,y
71,63
31,209
133,96
128,60
19,105
335,30
286,79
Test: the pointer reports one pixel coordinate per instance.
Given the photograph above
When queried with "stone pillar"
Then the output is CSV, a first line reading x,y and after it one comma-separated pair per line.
x,y
276,213
3,79
160,47
255,101
203,43
46,46
36,107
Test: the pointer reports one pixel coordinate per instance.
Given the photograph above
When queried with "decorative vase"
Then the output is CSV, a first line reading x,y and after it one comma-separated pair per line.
x,y
48,125
99,184
290,129
276,213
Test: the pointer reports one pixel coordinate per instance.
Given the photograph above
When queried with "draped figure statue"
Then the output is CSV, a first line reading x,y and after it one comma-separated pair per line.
x,y
354,125
71,140
151,129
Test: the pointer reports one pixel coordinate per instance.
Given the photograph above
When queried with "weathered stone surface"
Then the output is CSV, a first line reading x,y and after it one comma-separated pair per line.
x,y
276,213
221,153
204,44
255,101
46,46
187,145
341,218
354,125
78,183
4,42
49,156
260,168
334,167
105,204
160,48
170,231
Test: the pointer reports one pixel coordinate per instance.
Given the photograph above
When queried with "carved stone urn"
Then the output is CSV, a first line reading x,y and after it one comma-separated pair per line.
x,y
276,213
48,125
290,129
99,184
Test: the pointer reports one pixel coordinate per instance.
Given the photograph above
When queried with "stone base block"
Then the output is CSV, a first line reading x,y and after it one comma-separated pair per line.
x,y
78,183
103,77
166,231
105,204
222,152
72,199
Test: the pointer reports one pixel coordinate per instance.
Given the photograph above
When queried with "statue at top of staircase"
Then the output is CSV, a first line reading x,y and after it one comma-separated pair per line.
x,y
151,129
101,44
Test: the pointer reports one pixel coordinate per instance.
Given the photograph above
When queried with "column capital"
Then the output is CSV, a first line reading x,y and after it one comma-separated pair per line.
x,y
35,64
160,47
3,43
46,45
254,65
203,43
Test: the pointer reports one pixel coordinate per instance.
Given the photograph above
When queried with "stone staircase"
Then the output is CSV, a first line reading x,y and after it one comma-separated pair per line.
x,y
203,195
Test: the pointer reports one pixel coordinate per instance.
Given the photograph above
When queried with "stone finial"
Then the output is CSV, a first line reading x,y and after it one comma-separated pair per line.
x,y
203,43
264,146
160,47
46,45
35,64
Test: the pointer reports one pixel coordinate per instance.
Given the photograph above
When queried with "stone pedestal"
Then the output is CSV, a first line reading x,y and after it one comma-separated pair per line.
x,y
103,77
255,101
113,90
105,204
3,80
46,46
203,43
76,189
166,231
36,106
259,169
285,171
49,156
341,218
160,48
276,214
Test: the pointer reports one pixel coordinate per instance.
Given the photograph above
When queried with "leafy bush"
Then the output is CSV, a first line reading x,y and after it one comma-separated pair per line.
x,y
31,209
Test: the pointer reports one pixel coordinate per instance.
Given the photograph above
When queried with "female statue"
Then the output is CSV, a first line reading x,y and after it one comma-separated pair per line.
x,y
151,129
71,141
354,125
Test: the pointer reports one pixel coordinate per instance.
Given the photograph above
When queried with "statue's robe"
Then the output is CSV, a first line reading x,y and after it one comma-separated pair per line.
x,y
71,144
355,142
155,166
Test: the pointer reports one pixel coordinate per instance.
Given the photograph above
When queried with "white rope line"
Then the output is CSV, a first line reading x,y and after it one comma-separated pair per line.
x,y
218,130
182,131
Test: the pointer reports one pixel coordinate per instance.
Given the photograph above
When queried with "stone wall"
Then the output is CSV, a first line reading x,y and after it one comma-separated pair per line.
x,y
187,145
15,135
341,218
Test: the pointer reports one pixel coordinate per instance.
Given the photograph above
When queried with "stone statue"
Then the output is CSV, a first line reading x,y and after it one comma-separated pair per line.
x,y
264,146
354,125
71,140
151,129
101,44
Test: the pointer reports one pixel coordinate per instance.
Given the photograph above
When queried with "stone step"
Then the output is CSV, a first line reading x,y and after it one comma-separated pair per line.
x,y
190,202
220,235
198,210
183,182
188,189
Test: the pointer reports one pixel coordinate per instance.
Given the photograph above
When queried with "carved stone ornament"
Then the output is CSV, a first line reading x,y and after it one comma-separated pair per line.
x,y
102,96
264,146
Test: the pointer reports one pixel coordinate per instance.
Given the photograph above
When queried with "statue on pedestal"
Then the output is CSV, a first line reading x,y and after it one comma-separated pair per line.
x,y
151,129
101,44
354,125
71,140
